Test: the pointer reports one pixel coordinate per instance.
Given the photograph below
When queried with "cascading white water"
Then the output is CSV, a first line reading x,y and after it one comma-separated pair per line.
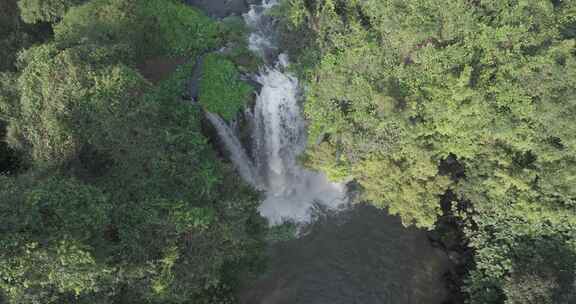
x,y
279,136
238,156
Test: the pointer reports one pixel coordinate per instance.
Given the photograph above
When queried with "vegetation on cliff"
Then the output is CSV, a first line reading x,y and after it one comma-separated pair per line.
x,y
221,89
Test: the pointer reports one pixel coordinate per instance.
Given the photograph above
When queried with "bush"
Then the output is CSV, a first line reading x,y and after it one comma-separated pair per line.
x,y
221,89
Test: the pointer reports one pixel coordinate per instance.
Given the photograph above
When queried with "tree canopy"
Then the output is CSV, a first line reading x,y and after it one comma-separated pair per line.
x,y
124,199
395,89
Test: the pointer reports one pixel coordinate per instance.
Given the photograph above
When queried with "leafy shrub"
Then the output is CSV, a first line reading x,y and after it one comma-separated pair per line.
x,y
221,89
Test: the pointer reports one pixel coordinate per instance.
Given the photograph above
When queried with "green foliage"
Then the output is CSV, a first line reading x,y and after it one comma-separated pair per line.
x,y
526,288
10,37
135,30
523,254
183,30
395,87
235,33
57,207
406,184
116,27
34,11
221,89
57,90
38,274
9,160
50,231
324,157
15,35
234,30
125,200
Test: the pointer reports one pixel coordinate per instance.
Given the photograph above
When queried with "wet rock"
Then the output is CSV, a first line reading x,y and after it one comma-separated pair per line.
x,y
244,127
193,88
435,239
208,130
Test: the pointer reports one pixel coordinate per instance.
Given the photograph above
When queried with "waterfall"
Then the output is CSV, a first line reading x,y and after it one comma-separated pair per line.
x,y
238,156
279,136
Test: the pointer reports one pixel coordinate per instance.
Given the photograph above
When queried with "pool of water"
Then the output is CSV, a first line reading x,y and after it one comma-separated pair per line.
x,y
362,256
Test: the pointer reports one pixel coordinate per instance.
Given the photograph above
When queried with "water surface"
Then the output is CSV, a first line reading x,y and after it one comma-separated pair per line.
x,y
362,256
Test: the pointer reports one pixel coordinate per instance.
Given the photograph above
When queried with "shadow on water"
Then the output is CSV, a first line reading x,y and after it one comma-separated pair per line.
x,y
359,256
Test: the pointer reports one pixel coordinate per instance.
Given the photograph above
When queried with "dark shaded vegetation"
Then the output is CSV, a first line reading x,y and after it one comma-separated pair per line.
x,y
9,160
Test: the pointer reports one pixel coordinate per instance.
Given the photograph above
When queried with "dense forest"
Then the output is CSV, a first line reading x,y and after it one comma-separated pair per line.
x,y
461,111
110,193
457,116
